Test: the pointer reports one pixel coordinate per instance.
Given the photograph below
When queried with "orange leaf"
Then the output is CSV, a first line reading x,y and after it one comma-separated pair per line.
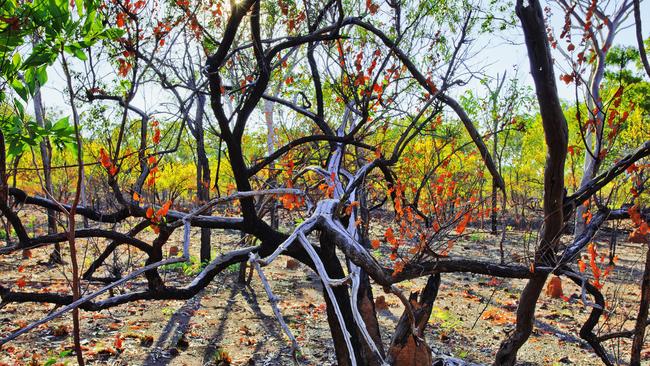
x,y
390,236
162,212
150,212
375,244
582,266
104,159
497,316
351,206
462,225
118,342
398,267
21,282
120,19
156,136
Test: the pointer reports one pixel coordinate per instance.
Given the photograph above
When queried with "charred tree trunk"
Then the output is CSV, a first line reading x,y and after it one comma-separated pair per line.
x,y
407,348
642,317
365,301
202,173
493,216
46,160
556,136
270,146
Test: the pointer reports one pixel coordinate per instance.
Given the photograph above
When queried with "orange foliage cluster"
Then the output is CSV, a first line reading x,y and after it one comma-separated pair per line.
x,y
372,7
106,162
156,132
363,81
411,226
594,258
328,188
157,217
641,229
291,201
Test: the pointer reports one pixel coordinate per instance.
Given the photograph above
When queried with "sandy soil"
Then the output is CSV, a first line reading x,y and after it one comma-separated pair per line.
x,y
228,320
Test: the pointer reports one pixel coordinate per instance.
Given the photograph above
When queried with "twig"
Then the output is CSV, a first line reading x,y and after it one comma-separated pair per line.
x,y
85,299
254,261
235,196
328,288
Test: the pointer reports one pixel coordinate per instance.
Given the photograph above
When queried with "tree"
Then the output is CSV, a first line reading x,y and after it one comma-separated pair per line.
x,y
597,30
369,121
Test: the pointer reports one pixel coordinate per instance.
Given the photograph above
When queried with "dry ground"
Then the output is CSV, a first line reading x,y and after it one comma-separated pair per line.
x,y
229,320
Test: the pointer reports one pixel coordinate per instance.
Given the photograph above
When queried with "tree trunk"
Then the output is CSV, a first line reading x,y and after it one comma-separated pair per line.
x,y
46,154
594,135
495,143
202,174
334,270
556,135
493,213
642,317
405,347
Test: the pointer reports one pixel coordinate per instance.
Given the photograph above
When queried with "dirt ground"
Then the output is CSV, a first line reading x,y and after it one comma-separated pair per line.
x,y
232,321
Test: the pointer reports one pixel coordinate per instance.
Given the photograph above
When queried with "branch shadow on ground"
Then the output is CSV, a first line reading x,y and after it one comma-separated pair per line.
x,y
162,353
268,323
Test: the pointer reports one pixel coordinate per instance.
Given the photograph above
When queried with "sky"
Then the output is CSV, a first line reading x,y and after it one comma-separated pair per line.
x,y
505,52
501,55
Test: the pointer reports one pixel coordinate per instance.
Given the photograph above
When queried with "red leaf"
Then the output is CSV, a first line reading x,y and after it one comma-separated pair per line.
x,y
463,224
156,136
162,212
120,20
390,236
582,266
118,342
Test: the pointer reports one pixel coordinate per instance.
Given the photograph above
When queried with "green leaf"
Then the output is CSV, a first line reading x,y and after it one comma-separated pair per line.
x,y
61,125
75,50
20,89
112,33
41,55
78,53
16,60
80,7
30,80
15,148
60,13
41,75
20,108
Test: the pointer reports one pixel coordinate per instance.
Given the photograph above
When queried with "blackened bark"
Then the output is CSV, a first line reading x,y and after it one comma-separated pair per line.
x,y
422,312
154,281
202,174
641,319
556,135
